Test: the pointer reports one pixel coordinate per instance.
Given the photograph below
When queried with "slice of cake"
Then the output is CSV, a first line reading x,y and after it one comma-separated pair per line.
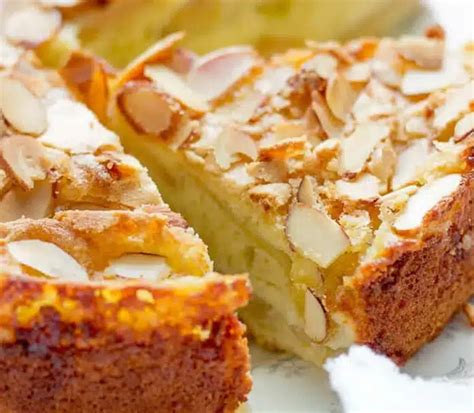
x,y
108,302
340,176
120,29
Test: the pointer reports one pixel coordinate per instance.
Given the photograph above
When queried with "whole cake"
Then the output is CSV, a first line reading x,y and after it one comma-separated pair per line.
x,y
108,300
340,176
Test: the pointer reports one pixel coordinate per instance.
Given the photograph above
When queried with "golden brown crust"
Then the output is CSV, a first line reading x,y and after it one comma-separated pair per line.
x,y
404,299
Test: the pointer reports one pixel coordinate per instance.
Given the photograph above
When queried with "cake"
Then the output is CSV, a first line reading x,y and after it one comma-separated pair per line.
x,y
133,25
108,299
340,176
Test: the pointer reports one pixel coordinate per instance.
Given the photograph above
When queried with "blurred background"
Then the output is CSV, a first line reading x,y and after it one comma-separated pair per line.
x,y
129,26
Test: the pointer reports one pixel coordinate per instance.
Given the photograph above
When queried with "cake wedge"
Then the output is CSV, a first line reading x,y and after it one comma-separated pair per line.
x,y
340,176
108,299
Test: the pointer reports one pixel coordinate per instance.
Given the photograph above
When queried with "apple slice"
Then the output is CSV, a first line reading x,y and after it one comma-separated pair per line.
x,y
139,266
48,259
424,200
315,235
315,322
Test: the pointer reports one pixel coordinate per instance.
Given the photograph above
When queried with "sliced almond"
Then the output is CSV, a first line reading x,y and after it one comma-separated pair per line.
x,y
315,235
158,52
182,61
23,110
139,266
365,188
424,200
232,141
172,84
357,148
284,149
324,64
307,192
409,161
340,96
383,160
426,53
329,122
48,259
358,73
271,196
35,204
218,71
464,126
25,159
315,322
146,108
458,101
32,26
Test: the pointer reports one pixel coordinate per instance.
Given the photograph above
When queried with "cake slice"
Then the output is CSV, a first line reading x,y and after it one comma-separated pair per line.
x,y
121,29
340,176
108,299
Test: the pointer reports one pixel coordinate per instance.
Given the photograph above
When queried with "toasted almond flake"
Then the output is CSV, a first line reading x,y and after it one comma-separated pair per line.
x,y
232,141
239,176
315,322
24,158
424,200
145,107
315,235
9,54
457,102
35,204
290,129
172,84
23,110
156,53
184,129
464,126
182,61
274,80
329,122
307,192
409,161
284,149
417,126
32,26
358,73
139,266
271,171
332,47
383,160
385,63
218,71
84,132
366,108
366,188
426,53
340,96
468,310
47,258
324,64
357,148
271,196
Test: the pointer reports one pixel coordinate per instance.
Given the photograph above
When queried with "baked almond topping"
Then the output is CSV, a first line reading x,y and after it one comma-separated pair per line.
x,y
464,126
307,192
32,26
146,108
218,71
409,161
340,96
366,188
24,158
315,235
35,204
425,199
139,266
271,195
315,322
331,125
23,110
231,142
426,53
171,83
47,259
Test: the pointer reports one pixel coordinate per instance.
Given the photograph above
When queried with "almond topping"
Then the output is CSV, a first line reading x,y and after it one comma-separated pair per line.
x,y
32,26
324,64
172,84
23,110
24,157
340,96
284,149
366,187
158,52
357,148
315,235
48,259
218,71
329,122
409,161
315,322
230,142
464,126
424,200
139,266
426,53
35,204
271,196
145,107
307,192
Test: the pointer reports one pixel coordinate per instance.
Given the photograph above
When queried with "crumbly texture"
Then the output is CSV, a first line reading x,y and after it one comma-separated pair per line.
x,y
108,299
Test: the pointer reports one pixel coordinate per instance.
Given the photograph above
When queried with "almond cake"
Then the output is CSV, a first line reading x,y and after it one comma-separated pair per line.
x,y
108,299
340,176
